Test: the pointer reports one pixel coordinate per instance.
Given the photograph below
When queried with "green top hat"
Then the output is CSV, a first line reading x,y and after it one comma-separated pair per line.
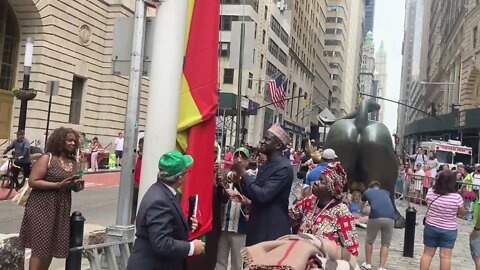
x,y
243,150
174,162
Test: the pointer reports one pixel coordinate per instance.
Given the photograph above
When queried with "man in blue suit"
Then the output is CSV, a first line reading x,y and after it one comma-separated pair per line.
x,y
162,230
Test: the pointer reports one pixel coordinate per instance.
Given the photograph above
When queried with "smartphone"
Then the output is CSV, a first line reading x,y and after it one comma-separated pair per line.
x,y
80,173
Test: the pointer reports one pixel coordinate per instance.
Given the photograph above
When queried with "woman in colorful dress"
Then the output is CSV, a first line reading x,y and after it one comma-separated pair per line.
x,y
323,214
46,222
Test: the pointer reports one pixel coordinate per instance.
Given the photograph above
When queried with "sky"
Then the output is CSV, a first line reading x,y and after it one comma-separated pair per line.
x,y
388,26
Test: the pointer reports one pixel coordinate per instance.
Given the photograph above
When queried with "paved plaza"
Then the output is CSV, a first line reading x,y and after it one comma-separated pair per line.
x,y
99,203
461,258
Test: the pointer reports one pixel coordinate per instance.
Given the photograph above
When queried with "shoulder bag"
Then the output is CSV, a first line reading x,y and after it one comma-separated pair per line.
x,y
23,194
428,208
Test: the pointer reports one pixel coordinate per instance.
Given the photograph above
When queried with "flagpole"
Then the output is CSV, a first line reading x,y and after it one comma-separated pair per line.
x,y
165,83
240,79
125,191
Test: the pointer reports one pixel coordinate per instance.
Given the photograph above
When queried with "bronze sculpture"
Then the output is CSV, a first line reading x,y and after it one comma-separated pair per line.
x,y
365,148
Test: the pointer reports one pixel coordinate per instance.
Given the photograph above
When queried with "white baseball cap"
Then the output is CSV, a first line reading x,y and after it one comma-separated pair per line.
x,y
329,154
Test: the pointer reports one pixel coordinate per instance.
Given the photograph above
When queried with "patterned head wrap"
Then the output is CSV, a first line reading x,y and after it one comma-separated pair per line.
x,y
336,178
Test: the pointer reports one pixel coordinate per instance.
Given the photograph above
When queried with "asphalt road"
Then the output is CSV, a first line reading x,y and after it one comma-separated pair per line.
x,y
98,206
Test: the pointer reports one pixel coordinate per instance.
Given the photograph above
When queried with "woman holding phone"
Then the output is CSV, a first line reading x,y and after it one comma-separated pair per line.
x,y
46,222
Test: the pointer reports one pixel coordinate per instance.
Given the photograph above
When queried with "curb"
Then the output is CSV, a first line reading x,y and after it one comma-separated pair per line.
x,y
103,171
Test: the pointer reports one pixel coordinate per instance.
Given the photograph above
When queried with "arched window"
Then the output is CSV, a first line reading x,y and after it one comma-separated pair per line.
x,y
9,38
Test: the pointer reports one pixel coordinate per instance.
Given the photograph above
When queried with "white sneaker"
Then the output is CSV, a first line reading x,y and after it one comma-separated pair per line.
x,y
366,266
382,268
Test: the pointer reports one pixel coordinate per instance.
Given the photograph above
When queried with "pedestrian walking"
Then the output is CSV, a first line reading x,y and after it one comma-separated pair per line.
x,y
269,191
45,227
381,219
445,204
161,228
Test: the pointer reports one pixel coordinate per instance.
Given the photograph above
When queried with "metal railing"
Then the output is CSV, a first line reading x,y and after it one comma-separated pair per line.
x,y
106,253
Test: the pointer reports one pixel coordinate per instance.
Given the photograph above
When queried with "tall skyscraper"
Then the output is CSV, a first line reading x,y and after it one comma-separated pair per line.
x,y
343,41
369,17
381,76
367,68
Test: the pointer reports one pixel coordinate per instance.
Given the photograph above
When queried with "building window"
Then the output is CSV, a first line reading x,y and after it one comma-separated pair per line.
x,y
333,42
278,30
78,86
228,74
334,20
261,61
264,33
224,49
475,36
226,22
265,15
250,80
8,46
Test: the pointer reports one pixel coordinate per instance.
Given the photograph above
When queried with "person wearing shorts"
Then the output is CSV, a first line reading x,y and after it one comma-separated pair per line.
x,y
444,204
119,149
381,219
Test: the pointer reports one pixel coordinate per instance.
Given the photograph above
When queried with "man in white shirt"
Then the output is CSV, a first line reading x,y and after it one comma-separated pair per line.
x,y
119,149
419,157
418,178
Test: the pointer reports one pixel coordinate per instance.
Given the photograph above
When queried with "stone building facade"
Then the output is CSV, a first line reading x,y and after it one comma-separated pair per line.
x,y
452,77
73,45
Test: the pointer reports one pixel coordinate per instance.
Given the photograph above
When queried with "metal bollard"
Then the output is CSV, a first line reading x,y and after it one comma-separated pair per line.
x,y
409,239
74,259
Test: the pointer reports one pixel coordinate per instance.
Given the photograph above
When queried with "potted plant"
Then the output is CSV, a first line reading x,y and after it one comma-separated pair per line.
x,y
24,94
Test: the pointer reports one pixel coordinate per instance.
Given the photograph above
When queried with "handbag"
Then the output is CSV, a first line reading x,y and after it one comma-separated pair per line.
x,y
23,194
428,208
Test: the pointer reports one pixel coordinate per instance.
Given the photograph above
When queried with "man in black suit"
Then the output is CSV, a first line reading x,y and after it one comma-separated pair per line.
x,y
162,230
269,191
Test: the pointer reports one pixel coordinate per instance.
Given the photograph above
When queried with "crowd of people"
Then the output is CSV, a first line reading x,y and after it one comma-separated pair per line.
x,y
252,210
252,190
449,192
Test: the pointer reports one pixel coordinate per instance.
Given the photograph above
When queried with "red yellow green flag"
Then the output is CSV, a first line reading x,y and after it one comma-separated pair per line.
x,y
198,106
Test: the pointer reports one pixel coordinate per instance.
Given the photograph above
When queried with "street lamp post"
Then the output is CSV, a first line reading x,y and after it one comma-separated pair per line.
x,y
25,94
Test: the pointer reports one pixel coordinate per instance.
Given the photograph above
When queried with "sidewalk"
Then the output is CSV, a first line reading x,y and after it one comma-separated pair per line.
x,y
461,258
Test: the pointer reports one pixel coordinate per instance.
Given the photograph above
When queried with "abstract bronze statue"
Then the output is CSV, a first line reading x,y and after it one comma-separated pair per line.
x,y
365,148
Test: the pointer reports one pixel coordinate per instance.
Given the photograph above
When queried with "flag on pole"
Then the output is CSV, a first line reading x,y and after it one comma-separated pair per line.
x,y
278,88
198,107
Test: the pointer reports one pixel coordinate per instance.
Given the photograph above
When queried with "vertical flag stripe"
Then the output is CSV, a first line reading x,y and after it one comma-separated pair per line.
x,y
198,105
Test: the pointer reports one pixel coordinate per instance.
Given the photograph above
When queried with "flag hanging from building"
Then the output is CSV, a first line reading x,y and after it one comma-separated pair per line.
x,y
278,88
198,107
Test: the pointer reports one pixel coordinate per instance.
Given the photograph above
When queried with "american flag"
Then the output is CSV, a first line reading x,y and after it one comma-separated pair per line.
x,y
277,89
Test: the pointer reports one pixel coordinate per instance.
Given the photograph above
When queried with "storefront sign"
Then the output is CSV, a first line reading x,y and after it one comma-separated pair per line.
x,y
293,127
453,148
